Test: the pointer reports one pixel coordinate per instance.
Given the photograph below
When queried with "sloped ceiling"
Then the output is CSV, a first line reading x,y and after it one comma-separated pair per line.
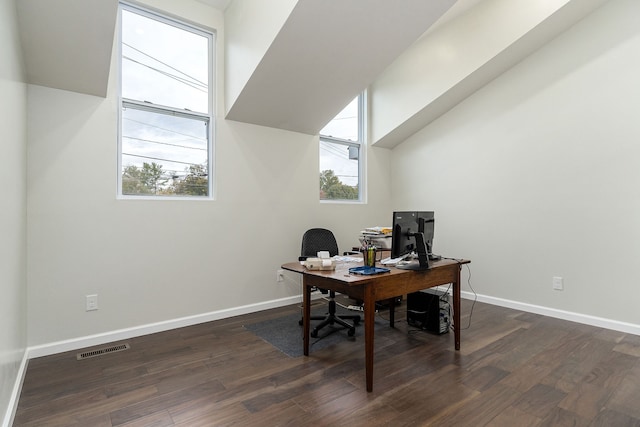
x,y
458,56
67,44
328,51
324,55
217,4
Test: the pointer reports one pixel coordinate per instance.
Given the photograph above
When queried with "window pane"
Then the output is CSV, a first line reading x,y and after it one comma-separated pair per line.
x,y
158,55
164,137
163,154
344,125
338,171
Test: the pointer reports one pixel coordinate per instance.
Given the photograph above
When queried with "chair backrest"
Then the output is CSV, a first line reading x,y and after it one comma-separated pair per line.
x,y
318,239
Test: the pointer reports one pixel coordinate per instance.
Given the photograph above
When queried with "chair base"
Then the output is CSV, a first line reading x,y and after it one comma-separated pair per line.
x,y
332,318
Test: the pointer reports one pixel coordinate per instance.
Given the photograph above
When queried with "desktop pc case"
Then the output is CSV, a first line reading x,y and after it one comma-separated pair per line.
x,y
429,310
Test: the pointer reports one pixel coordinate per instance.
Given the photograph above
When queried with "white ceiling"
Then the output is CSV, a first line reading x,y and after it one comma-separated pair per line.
x,y
67,44
218,4
325,54
460,7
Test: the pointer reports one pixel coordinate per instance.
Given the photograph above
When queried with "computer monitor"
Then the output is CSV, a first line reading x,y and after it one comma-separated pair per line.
x,y
413,232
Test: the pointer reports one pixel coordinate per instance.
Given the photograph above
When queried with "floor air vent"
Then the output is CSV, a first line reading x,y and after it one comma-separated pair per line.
x,y
101,351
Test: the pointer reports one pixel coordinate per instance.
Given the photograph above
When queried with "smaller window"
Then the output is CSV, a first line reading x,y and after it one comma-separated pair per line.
x,y
341,154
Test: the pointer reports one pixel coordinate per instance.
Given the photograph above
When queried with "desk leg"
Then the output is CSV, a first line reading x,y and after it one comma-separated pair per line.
x,y
306,315
369,319
392,312
456,309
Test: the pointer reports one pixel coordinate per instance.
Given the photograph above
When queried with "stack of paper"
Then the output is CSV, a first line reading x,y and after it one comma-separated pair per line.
x,y
376,231
378,236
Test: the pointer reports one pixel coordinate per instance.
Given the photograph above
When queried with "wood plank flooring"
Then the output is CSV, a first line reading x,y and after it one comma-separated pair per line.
x,y
513,369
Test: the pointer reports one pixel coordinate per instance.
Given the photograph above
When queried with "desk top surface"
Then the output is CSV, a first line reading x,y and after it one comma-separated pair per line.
x,y
342,273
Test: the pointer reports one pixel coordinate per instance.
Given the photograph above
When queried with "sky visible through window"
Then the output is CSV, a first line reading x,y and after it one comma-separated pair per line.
x,y
164,66
156,55
334,156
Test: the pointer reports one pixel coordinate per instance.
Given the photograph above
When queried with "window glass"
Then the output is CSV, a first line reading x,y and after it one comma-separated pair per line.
x,y
165,136
176,145
341,155
338,171
345,125
163,64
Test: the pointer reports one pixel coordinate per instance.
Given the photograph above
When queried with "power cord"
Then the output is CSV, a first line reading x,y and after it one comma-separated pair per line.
x,y
475,295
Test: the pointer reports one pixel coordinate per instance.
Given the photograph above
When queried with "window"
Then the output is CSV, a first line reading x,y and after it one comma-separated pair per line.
x,y
341,154
165,147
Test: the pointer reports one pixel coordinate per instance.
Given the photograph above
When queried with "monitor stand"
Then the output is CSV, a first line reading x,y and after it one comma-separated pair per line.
x,y
414,264
422,263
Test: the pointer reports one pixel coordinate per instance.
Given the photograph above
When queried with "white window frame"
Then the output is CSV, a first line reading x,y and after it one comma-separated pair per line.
x,y
208,119
360,144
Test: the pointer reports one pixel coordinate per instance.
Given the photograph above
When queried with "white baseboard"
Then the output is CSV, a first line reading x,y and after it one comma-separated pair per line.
x,y
123,334
9,415
586,319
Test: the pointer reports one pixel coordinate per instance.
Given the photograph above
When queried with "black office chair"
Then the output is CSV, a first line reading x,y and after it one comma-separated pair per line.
x,y
314,241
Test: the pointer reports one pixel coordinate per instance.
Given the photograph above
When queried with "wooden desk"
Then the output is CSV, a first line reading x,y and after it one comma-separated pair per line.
x,y
375,288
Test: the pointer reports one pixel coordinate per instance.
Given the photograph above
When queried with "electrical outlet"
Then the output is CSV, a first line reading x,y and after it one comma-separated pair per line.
x,y
91,302
558,283
280,275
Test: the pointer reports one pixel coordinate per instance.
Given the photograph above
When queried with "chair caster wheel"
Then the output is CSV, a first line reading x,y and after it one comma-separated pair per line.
x,y
300,322
352,332
314,334
356,321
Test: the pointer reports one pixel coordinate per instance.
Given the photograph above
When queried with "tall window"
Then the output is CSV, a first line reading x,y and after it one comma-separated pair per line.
x,y
165,147
341,154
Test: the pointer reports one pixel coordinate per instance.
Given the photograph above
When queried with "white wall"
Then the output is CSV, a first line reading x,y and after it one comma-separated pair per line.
x,y
537,174
13,261
153,261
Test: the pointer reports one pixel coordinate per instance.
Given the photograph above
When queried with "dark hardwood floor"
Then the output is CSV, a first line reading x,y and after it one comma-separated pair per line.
x,y
513,369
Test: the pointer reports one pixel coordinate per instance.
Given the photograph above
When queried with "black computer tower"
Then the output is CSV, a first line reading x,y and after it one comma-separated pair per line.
x,y
429,310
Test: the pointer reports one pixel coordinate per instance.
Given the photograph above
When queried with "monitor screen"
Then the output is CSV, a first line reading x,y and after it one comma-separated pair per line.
x,y
405,225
